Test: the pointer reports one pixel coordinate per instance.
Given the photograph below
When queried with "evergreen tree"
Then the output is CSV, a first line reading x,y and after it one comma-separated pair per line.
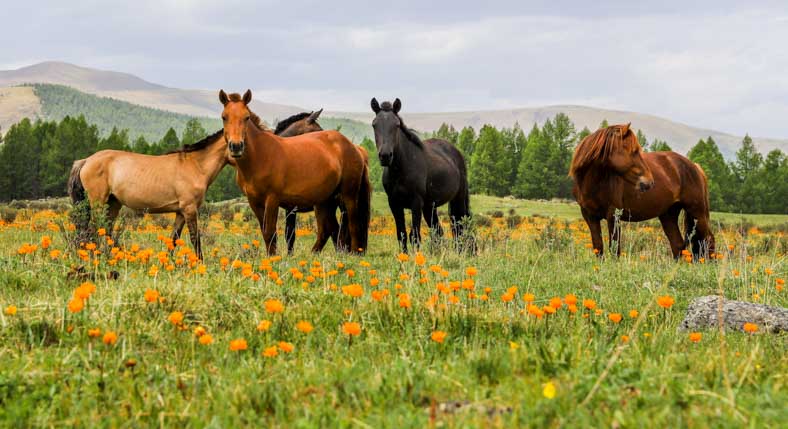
x,y
750,190
536,177
489,164
193,132
706,154
465,142
117,140
659,146
585,132
604,124
775,175
446,132
642,140
169,142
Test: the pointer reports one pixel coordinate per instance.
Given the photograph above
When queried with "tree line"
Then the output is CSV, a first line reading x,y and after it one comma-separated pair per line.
x,y
37,158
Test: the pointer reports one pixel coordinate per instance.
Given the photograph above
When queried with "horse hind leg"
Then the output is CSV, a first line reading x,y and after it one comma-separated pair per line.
x,y
697,231
194,230
459,218
290,229
325,216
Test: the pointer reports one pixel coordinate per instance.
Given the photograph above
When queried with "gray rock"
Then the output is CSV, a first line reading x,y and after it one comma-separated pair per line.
x,y
702,314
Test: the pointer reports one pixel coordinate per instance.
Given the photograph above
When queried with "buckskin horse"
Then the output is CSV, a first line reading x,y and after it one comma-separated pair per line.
x,y
419,175
320,169
612,174
173,182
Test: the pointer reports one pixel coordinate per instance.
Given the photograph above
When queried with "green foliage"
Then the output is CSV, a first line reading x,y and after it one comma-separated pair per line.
x,y
490,165
59,101
375,169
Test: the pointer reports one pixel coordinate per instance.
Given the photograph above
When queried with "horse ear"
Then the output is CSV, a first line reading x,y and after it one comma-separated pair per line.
x,y
313,116
625,129
375,106
397,105
247,96
223,97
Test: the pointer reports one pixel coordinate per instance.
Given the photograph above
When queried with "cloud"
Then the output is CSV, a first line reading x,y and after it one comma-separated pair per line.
x,y
718,65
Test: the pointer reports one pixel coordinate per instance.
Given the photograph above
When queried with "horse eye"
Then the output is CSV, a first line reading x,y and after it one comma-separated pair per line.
x,y
224,118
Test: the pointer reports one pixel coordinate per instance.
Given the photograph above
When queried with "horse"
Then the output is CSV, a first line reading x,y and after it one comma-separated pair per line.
x,y
320,169
303,123
419,175
173,182
614,180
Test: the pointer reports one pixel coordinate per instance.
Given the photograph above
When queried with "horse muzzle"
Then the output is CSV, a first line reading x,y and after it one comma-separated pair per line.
x,y
385,159
236,149
644,185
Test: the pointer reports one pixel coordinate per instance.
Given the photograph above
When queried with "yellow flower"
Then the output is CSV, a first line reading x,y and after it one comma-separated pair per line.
x,y
548,391
513,345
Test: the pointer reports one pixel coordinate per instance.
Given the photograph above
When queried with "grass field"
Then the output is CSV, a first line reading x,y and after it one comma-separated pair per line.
x,y
534,331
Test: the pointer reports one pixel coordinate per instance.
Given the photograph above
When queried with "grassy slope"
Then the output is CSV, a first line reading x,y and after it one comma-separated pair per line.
x,y
59,101
393,372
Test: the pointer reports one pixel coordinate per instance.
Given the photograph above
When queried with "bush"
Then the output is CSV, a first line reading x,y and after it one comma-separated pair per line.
x,y
8,214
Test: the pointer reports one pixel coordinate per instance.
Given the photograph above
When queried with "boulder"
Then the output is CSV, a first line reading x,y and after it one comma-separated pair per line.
x,y
702,314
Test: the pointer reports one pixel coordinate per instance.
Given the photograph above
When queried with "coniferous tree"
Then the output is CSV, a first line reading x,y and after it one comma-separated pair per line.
x,y
718,175
465,142
489,163
193,132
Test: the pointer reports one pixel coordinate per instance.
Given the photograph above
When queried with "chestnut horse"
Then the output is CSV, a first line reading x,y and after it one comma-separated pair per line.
x,y
320,169
174,182
303,123
611,173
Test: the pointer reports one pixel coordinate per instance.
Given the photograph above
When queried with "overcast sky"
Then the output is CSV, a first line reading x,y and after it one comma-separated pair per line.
x,y
715,64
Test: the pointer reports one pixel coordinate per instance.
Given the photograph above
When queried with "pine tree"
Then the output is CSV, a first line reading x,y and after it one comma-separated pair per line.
x,y
465,142
750,190
659,146
604,124
446,132
536,177
193,132
489,164
169,142
642,140
706,154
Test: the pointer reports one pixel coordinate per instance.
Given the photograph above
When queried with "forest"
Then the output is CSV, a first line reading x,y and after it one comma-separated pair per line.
x,y
37,157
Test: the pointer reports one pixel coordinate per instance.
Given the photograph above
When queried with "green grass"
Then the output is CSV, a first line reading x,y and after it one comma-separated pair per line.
x,y
393,374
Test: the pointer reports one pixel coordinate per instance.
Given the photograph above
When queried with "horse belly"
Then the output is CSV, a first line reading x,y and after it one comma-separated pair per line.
x,y
641,206
143,187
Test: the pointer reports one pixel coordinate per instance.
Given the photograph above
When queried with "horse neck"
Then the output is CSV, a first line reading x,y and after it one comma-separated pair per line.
x,y
404,151
210,160
262,148
594,184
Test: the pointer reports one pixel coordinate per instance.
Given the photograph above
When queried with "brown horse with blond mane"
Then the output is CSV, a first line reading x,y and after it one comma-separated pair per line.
x,y
320,169
616,181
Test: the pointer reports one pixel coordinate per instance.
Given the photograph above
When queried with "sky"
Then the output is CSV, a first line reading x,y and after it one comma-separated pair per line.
x,y
720,65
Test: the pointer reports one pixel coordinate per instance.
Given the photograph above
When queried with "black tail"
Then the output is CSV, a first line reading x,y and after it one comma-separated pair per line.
x,y
80,215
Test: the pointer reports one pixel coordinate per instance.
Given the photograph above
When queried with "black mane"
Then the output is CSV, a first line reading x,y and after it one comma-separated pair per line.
x,y
386,106
200,145
283,124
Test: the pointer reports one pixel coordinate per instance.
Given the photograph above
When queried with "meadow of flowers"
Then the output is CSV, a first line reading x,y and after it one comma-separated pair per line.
x,y
535,330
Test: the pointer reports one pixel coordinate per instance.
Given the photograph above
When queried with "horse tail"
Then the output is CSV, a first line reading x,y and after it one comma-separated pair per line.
x,y
80,215
689,219
364,208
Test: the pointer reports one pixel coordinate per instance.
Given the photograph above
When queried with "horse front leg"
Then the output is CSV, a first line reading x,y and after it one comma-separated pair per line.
x,y
399,220
290,229
270,215
194,230
595,227
177,229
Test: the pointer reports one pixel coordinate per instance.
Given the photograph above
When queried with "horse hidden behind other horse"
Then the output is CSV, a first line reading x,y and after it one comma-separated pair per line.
x,y
611,173
419,176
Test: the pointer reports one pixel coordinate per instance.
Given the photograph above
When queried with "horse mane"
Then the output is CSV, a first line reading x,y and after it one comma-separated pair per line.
x,y
283,124
253,116
411,135
200,145
598,146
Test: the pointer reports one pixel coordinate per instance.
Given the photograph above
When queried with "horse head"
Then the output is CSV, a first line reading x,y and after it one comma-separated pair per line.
x,y
387,125
235,116
301,123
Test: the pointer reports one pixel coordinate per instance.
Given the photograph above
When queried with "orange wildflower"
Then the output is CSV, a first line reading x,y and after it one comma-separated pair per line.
x,y
471,271
206,339
403,257
353,290
10,310
110,338
200,331
570,299
151,295
75,305
274,306
264,325
614,317
665,301
351,328
555,302
176,318
589,304
438,336
404,300
750,328
94,333
633,314
304,326
695,337
270,352
238,344
286,347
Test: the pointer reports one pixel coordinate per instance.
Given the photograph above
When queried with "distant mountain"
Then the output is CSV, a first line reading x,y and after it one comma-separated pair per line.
x,y
16,103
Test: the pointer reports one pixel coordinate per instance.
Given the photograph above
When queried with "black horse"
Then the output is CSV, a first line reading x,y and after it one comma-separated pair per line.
x,y
420,176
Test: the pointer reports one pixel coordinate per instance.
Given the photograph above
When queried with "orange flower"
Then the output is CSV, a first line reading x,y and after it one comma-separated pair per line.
x,y
274,306
633,314
75,305
570,299
403,257
614,317
589,304
378,295
304,326
471,271
151,295
625,338
419,259
264,325
507,297
529,297
238,344
665,301
438,336
572,308
353,290
94,333
10,310
695,337
206,339
404,300
351,328
750,328
555,302
286,347
110,338
200,331
176,318
270,352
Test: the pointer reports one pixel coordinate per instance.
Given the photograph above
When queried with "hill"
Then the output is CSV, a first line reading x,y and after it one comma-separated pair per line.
x,y
203,103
